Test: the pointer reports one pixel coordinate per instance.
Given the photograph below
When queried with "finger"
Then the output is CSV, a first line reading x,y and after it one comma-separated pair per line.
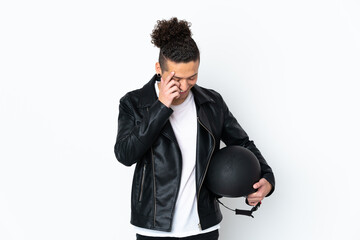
x,y
257,199
262,191
252,195
253,203
173,82
256,185
169,77
259,194
173,89
175,95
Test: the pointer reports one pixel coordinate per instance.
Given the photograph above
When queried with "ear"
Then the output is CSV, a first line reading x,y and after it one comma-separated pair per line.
x,y
158,68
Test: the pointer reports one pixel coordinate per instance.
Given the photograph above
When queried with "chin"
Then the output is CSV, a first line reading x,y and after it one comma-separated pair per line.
x,y
184,96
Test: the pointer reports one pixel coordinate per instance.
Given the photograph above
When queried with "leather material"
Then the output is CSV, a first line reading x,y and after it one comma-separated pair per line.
x,y
145,138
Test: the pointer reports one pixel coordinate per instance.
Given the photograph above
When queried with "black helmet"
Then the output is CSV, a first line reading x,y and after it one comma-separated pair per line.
x,y
232,172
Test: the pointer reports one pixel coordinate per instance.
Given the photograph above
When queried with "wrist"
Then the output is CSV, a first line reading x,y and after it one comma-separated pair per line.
x,y
167,104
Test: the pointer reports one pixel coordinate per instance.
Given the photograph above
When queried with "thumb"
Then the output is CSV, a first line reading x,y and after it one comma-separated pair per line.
x,y
256,185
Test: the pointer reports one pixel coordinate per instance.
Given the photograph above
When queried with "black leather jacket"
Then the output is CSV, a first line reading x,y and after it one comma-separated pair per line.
x,y
145,137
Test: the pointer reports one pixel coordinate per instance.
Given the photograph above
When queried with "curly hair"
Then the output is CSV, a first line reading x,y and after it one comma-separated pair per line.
x,y
173,37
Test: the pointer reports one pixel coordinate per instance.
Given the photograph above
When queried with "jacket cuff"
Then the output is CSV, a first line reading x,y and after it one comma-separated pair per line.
x,y
160,111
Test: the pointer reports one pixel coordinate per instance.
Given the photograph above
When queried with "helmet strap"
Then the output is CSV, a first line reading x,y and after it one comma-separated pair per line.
x,y
242,212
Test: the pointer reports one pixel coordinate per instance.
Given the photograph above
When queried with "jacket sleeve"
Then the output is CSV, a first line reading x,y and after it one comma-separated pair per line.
x,y
234,134
135,136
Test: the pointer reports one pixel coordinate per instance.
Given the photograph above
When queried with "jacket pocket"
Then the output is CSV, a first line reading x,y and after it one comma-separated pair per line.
x,y
142,182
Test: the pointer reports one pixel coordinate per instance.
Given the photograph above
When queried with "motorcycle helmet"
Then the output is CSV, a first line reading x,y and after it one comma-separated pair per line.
x,y
232,172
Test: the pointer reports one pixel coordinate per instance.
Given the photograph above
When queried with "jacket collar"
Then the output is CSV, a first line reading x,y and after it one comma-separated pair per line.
x,y
201,96
148,95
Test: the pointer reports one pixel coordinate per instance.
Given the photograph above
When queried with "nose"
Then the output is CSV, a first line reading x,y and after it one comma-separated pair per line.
x,y
184,85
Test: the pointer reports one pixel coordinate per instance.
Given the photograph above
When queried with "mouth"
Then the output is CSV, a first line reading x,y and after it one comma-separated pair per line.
x,y
182,92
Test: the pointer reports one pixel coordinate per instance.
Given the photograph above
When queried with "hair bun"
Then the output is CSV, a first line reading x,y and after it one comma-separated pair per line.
x,y
166,31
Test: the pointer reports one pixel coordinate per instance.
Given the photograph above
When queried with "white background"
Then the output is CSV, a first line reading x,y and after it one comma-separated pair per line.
x,y
289,71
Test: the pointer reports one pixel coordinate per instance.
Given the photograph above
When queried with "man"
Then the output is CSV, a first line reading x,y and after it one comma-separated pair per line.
x,y
170,128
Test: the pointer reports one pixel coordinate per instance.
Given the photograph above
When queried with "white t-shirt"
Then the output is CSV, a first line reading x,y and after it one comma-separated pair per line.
x,y
186,219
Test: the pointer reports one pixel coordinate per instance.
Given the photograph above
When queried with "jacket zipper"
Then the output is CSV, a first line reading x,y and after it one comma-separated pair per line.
x,y
212,151
153,166
142,182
